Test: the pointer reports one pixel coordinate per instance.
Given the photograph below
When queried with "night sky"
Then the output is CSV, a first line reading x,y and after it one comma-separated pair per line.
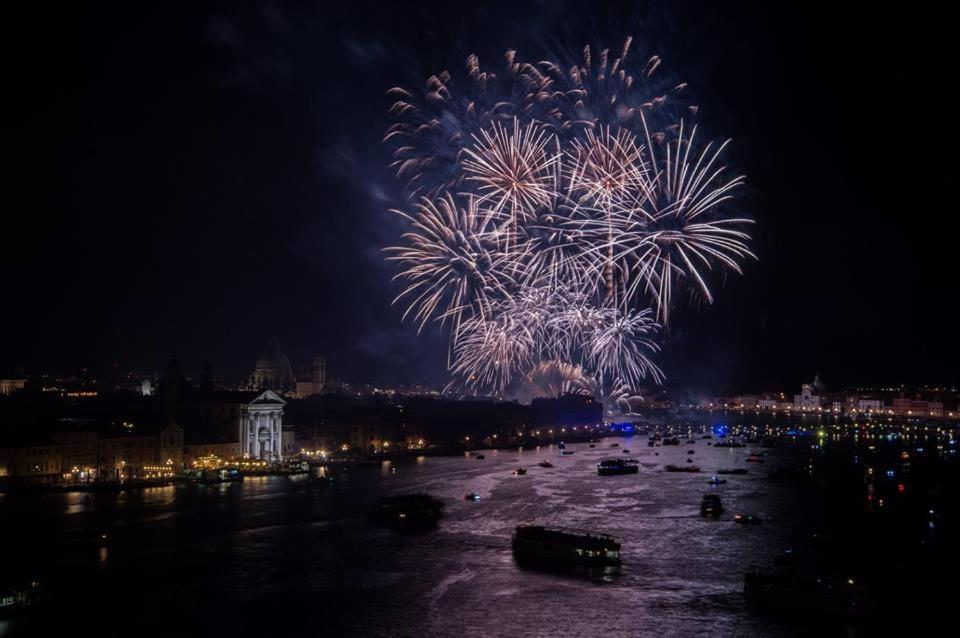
x,y
192,180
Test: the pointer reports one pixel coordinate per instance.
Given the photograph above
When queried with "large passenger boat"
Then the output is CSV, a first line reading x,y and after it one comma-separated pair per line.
x,y
562,547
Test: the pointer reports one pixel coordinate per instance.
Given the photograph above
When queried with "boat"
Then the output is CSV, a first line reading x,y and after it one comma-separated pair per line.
x,y
679,468
592,445
407,512
614,445
671,440
19,599
545,464
732,443
691,442
208,476
563,547
789,590
715,480
611,467
710,506
691,451
472,496
626,450
747,519
480,457
786,473
520,471
738,470
294,467
566,452
754,458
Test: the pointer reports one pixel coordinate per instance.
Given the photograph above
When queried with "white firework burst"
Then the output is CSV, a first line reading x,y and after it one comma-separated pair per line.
x,y
511,168
453,262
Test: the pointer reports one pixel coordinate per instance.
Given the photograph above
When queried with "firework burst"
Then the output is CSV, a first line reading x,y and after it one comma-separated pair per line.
x,y
564,202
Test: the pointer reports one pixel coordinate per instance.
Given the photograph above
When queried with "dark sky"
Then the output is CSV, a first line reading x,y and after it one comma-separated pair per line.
x,y
194,179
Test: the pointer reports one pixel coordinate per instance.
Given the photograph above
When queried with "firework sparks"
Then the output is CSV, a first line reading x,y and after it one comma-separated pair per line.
x,y
562,199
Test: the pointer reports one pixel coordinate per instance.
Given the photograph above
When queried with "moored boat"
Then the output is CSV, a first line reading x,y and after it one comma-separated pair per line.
x,y
20,599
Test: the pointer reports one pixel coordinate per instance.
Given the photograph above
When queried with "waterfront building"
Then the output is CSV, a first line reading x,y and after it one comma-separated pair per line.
x,y
903,406
9,386
79,452
125,452
261,427
767,402
809,397
35,459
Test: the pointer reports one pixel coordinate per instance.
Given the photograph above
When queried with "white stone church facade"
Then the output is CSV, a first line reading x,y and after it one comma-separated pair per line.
x,y
261,427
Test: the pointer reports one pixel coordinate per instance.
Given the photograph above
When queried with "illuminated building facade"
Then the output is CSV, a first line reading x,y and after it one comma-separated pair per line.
x,y
9,386
261,427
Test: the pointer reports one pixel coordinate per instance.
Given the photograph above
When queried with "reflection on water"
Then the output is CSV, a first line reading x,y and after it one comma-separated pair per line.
x,y
263,555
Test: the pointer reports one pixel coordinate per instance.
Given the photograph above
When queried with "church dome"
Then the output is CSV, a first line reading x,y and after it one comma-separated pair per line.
x,y
273,370
273,361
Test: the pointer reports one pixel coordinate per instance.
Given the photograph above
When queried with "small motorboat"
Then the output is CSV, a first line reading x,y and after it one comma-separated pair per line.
x,y
710,506
545,464
480,457
472,496
716,480
738,470
614,445
519,471
747,519
592,445
691,451
626,450
754,458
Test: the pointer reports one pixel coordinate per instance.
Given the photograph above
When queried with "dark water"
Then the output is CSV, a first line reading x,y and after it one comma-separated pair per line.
x,y
290,555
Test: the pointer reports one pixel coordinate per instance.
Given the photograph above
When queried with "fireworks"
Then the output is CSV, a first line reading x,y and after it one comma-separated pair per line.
x,y
561,207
